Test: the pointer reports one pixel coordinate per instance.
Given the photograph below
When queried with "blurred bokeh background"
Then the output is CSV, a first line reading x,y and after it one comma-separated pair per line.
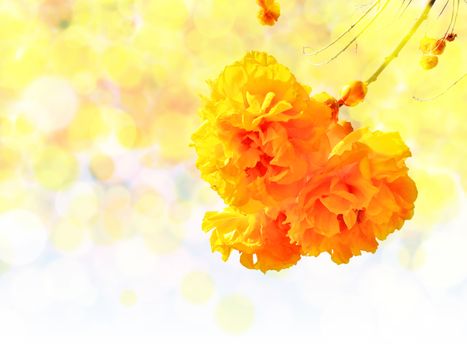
x,y
101,203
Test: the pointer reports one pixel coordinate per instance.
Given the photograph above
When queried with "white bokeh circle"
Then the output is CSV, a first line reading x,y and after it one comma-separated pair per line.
x,y
23,237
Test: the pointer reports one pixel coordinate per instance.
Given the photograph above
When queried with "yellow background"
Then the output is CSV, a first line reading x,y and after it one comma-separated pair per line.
x,y
101,204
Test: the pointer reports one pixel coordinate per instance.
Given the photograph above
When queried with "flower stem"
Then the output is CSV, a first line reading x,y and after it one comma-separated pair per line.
x,y
403,42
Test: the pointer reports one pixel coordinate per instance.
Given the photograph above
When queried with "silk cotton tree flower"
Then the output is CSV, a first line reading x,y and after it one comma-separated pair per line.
x,y
296,180
362,194
261,238
261,134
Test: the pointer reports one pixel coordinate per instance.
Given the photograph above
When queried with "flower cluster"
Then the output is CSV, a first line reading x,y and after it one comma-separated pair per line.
x,y
297,181
432,48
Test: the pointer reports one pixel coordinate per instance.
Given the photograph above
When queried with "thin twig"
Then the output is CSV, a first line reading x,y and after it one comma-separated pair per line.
x,y
402,43
356,37
442,93
314,53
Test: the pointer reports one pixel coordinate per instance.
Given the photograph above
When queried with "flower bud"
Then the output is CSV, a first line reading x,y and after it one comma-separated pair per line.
x,y
432,46
439,47
429,61
427,44
451,37
354,93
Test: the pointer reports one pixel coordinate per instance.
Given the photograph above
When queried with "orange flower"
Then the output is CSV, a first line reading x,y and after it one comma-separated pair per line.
x,y
297,180
269,12
362,194
262,240
261,134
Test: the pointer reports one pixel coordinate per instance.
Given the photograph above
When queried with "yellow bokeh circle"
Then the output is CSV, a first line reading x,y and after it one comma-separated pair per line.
x,y
235,314
197,287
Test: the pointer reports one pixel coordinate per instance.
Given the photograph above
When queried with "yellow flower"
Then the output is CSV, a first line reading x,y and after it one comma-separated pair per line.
x,y
261,239
362,194
261,133
297,180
